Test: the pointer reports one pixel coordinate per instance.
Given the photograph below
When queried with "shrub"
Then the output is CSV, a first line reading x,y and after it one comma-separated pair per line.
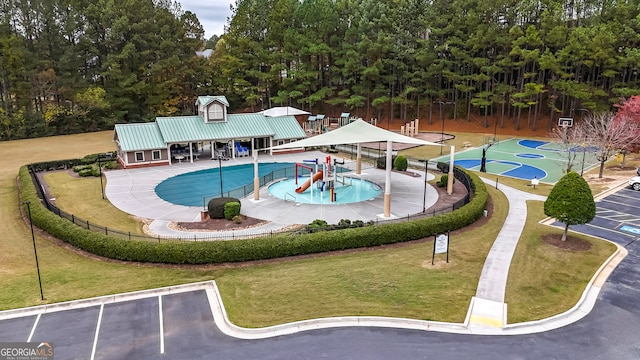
x,y
110,165
231,210
79,168
443,167
400,163
216,206
237,219
276,246
318,225
89,170
444,180
381,162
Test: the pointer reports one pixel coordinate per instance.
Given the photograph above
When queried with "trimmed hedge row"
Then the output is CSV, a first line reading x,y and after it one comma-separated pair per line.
x,y
174,252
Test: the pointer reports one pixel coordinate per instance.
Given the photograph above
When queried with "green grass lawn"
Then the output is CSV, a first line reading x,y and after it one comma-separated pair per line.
x,y
68,189
387,281
542,275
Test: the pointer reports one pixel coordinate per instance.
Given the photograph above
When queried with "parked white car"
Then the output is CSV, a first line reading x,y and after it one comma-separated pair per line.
x,y
634,182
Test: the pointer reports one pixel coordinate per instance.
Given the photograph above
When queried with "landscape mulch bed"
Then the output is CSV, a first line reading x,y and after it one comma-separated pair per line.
x,y
572,243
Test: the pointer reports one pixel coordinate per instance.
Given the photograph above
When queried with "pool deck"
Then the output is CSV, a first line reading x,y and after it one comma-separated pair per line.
x,y
132,191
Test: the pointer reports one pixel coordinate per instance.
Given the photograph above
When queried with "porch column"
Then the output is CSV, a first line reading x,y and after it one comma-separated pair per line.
x,y
256,178
358,159
233,149
191,152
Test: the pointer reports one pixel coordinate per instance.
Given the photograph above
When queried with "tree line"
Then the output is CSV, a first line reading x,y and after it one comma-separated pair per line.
x,y
517,60
69,66
78,65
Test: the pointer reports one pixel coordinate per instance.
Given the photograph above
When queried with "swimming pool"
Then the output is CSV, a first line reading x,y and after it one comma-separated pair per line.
x,y
347,190
191,188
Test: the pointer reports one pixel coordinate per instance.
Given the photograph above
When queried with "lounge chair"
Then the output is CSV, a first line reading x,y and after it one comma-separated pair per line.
x,y
221,154
241,150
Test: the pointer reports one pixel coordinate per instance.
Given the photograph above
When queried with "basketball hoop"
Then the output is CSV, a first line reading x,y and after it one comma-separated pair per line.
x,y
565,122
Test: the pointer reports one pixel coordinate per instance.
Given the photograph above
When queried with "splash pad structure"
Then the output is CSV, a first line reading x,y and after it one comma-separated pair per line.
x,y
323,185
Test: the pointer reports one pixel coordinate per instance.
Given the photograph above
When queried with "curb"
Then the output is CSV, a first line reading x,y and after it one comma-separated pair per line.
x,y
577,312
228,328
107,299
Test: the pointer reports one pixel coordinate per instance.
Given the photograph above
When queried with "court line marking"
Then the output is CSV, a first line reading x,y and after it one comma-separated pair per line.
x,y
33,329
95,337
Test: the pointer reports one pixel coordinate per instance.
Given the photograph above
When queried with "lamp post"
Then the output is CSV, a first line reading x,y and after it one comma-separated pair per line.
x,y
424,192
33,238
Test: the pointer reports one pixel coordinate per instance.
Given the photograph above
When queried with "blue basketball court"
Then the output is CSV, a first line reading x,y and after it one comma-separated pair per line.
x,y
526,159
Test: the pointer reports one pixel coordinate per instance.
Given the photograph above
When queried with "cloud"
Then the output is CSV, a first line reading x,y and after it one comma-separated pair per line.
x,y
211,13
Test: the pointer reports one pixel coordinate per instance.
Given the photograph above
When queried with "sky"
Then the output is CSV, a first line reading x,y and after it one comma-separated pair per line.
x,y
211,13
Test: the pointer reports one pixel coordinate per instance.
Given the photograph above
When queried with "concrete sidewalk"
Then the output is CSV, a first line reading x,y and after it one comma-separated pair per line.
x,y
488,307
132,191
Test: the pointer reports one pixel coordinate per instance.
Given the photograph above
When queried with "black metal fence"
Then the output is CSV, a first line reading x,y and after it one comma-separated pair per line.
x,y
242,234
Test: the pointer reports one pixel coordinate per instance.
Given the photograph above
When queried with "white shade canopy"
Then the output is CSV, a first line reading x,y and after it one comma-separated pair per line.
x,y
356,132
283,111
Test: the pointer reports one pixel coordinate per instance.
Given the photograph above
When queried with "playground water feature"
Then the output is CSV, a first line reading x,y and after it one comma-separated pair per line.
x,y
323,185
346,190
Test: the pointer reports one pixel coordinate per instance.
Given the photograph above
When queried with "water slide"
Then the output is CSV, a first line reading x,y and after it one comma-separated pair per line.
x,y
317,176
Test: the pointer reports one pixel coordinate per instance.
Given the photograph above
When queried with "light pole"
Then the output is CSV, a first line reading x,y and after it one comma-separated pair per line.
x,y
33,238
424,192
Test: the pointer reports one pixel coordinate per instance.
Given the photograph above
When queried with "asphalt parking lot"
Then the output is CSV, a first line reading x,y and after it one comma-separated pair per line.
x,y
617,218
176,325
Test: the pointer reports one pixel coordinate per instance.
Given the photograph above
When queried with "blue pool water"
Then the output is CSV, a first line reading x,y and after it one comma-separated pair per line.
x,y
190,189
353,190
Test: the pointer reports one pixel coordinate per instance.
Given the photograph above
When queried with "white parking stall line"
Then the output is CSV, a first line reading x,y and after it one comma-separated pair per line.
x,y
161,324
33,329
95,338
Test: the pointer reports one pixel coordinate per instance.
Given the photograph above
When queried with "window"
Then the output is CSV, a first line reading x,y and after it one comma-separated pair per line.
x,y
155,155
139,156
216,112
280,142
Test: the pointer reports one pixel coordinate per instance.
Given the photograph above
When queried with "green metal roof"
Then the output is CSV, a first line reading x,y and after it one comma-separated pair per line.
x,y
182,129
286,127
140,136
193,128
205,100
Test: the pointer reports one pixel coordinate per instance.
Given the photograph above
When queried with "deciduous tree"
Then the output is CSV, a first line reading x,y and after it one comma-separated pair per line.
x,y
570,202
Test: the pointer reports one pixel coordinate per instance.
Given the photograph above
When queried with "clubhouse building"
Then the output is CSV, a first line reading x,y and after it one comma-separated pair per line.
x,y
213,133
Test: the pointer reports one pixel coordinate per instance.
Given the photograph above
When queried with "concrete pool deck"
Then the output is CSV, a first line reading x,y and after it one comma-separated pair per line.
x,y
132,191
